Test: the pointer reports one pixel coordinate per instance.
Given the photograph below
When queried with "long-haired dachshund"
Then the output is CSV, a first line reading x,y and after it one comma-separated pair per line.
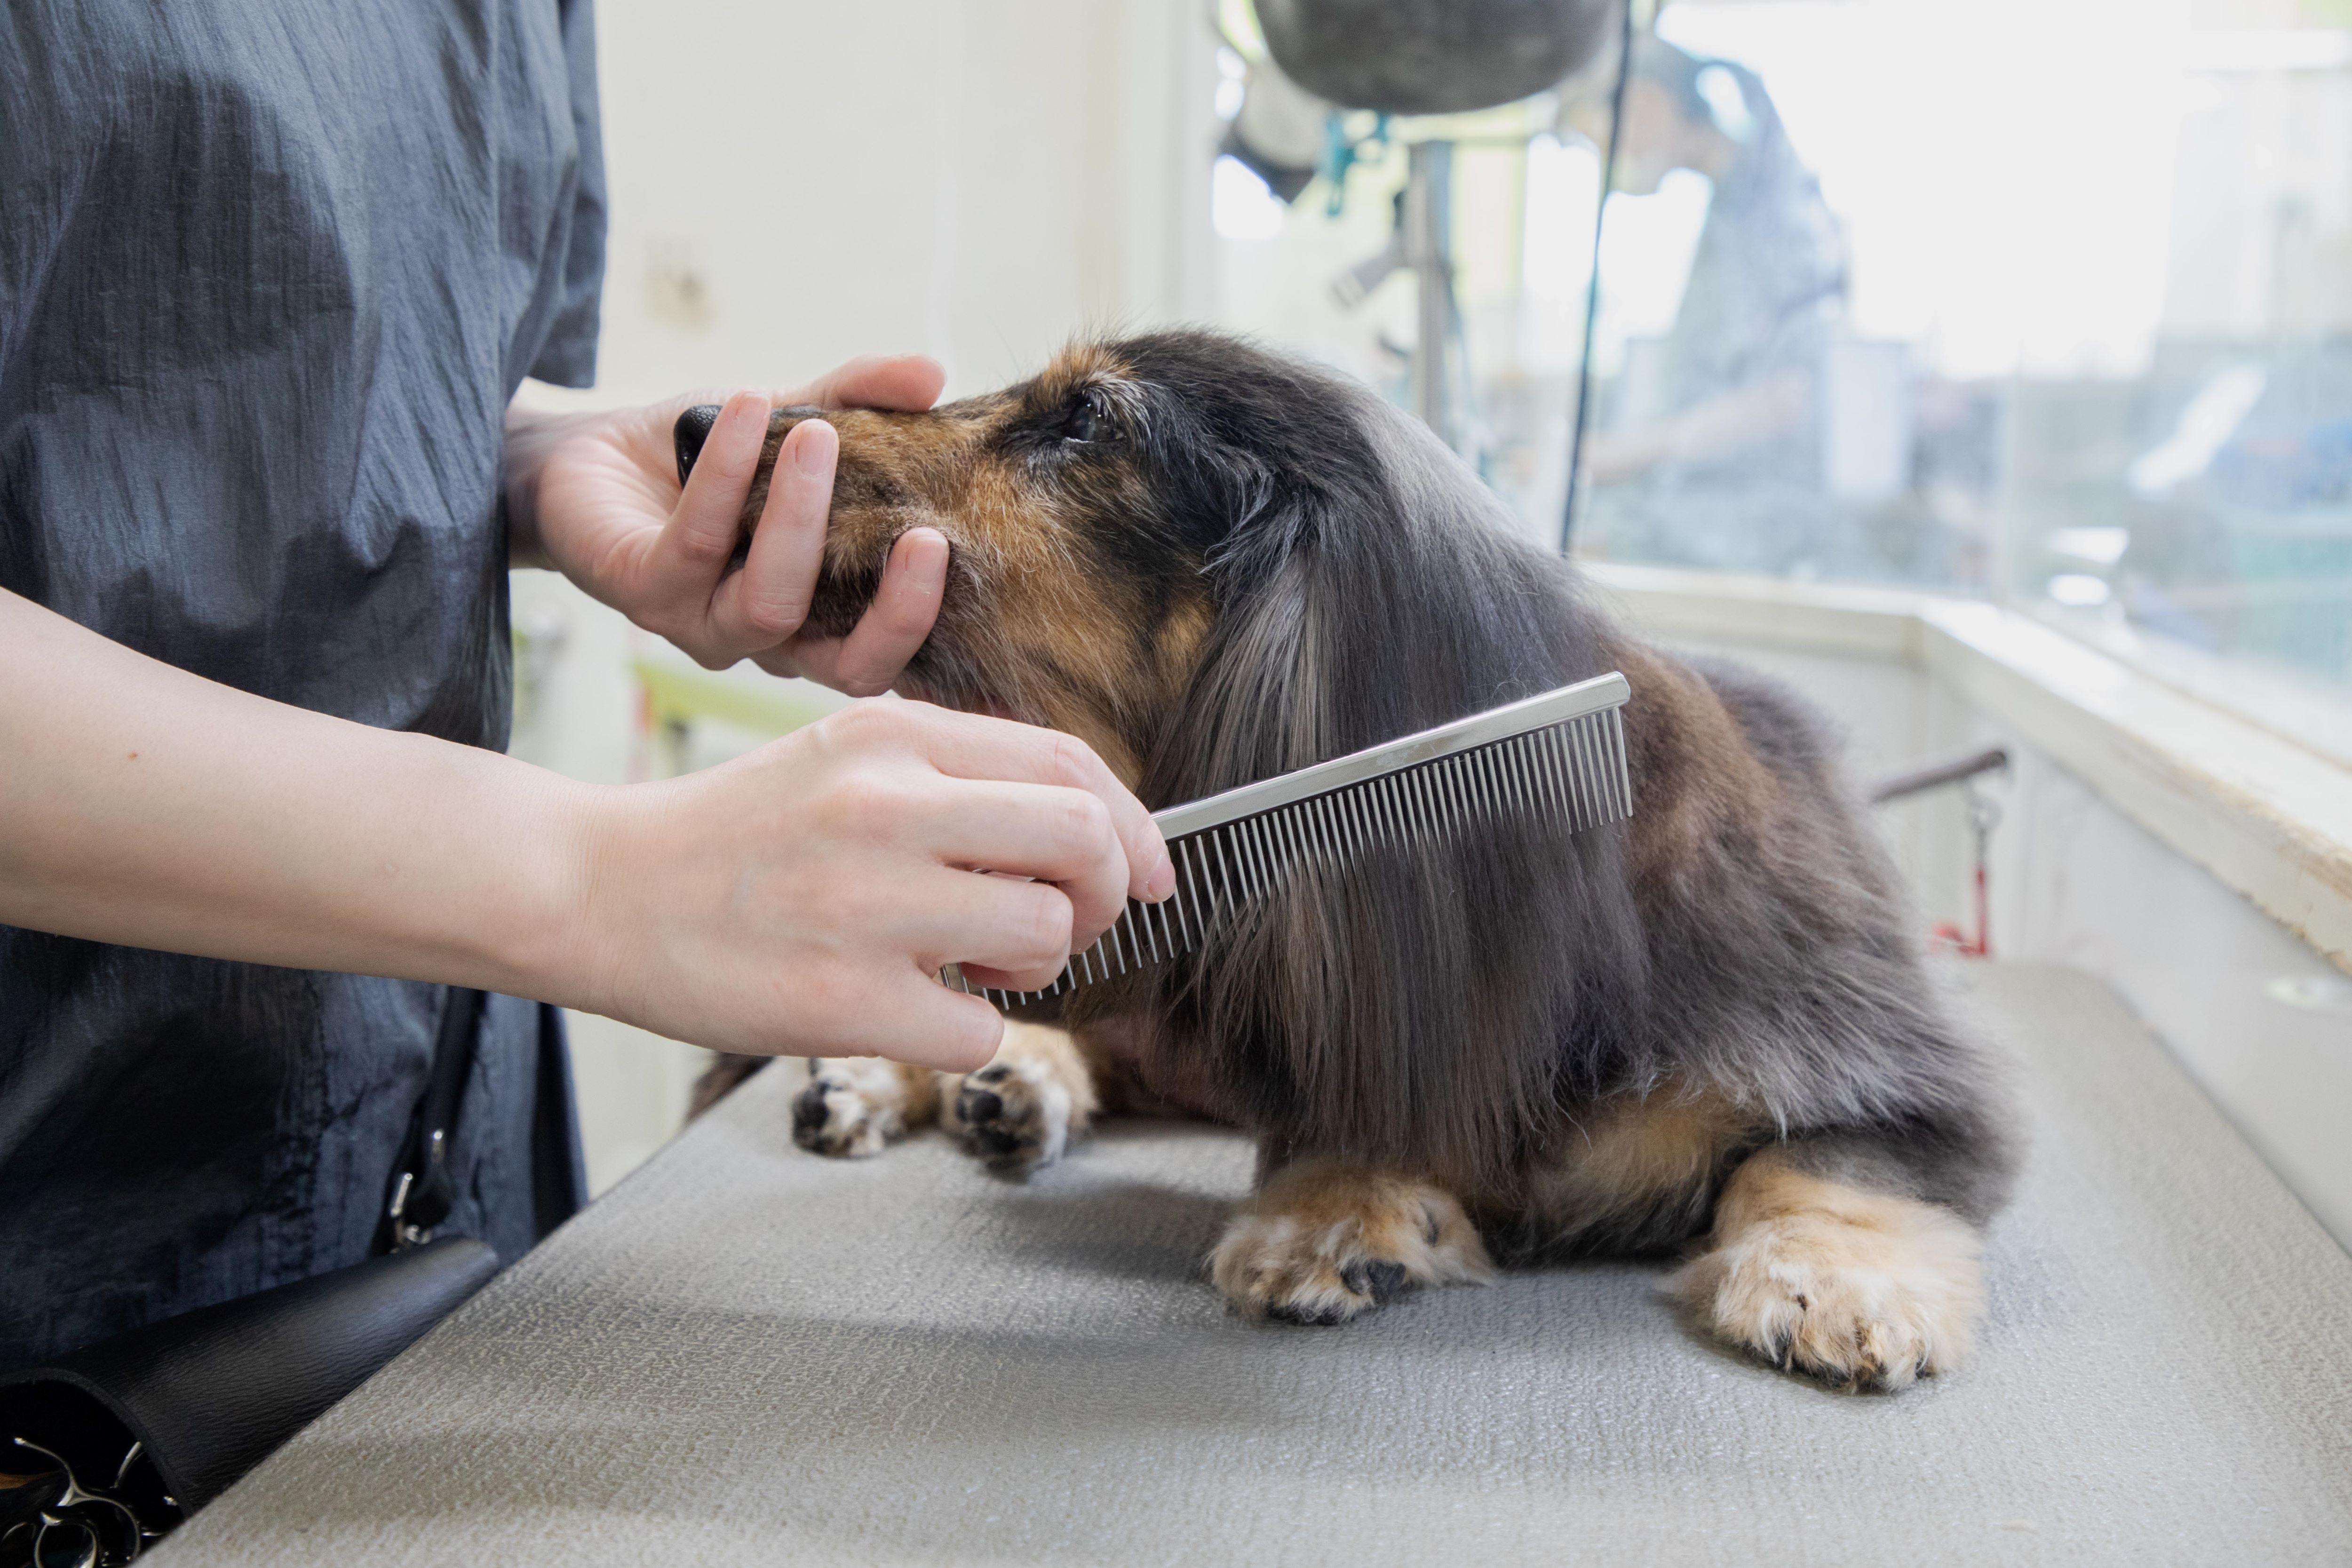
x,y
1707,1025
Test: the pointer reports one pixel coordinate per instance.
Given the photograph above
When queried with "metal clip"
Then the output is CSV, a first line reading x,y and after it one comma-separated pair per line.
x,y
404,1234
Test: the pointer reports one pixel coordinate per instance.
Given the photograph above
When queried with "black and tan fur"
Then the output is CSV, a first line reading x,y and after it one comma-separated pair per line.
x,y
1708,1027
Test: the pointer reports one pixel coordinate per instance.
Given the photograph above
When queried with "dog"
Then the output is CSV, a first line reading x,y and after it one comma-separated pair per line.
x,y
1708,1030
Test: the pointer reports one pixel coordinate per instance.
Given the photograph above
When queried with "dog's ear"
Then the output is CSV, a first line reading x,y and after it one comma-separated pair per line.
x,y
1360,598
1411,1009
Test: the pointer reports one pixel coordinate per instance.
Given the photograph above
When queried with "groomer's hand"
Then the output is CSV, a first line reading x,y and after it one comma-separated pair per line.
x,y
597,497
802,898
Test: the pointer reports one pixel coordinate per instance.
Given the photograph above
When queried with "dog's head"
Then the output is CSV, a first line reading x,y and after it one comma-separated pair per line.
x,y
1153,513
1214,565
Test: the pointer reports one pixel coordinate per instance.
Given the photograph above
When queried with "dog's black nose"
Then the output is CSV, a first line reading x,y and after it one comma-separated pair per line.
x,y
693,428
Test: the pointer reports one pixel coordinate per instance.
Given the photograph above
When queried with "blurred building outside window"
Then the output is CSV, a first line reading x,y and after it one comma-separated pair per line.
x,y
2043,301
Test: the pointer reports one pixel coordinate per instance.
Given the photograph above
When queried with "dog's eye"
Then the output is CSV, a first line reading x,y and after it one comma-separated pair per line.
x,y
1089,418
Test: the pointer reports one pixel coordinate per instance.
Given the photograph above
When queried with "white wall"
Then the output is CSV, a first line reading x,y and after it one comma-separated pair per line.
x,y
2262,1022
794,183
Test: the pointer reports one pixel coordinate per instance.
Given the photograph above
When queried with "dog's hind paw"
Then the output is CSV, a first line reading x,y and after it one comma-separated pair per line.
x,y
854,1108
1323,1243
1859,1289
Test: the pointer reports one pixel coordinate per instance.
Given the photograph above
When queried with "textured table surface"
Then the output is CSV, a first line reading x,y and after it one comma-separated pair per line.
x,y
749,1354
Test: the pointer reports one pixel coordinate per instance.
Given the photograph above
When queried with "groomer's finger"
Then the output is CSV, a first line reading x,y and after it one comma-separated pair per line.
x,y
906,382
967,745
686,559
1055,835
905,608
767,601
1002,980
909,1016
1017,929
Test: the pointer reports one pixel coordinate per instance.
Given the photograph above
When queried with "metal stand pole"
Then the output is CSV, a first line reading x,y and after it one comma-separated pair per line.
x,y
1428,226
1583,415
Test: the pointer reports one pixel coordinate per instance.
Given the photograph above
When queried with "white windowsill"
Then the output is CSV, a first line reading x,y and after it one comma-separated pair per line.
x,y
2271,818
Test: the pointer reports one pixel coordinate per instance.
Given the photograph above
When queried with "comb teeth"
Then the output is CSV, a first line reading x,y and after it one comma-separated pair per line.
x,y
1572,772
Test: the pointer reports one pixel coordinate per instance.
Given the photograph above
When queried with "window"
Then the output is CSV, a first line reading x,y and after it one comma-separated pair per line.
x,y
2044,300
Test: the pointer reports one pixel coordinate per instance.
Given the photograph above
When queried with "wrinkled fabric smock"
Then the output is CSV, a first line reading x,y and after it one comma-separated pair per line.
x,y
269,272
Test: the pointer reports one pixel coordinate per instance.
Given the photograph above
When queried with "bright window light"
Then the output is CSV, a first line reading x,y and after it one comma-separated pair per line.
x,y
2206,425
2078,590
1647,245
1563,179
1232,82
1239,203
2004,169
2099,546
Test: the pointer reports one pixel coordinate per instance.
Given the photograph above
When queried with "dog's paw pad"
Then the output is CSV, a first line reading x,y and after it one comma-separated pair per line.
x,y
835,1116
1856,1308
1013,1115
1326,1249
1378,1279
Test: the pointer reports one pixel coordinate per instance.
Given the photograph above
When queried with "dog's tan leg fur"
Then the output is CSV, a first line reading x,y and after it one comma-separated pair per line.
x,y
1636,1162
1863,1290
858,1106
1033,1099
1322,1242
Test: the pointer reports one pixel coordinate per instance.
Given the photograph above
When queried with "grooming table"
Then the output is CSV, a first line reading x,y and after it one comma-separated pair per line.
x,y
747,1355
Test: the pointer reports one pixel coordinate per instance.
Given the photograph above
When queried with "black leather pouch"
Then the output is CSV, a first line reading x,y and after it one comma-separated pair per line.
x,y
206,1395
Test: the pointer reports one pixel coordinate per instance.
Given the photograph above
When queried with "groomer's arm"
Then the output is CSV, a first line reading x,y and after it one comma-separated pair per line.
x,y
796,900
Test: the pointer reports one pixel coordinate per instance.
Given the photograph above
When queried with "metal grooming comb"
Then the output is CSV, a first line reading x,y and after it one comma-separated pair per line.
x,y
1560,754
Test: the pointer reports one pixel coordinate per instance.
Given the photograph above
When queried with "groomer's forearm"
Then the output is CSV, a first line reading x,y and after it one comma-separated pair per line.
x,y
142,805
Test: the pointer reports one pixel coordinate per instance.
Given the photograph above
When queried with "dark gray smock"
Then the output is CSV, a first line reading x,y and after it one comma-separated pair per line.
x,y
269,272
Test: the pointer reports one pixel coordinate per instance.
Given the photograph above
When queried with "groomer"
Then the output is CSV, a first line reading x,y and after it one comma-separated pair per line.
x,y
270,273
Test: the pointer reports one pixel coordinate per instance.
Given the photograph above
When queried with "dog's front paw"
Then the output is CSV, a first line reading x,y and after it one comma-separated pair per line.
x,y
851,1110
1863,1290
1027,1106
1013,1115
1323,1243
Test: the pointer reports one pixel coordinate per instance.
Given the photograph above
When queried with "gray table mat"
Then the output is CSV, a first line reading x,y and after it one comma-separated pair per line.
x,y
749,1354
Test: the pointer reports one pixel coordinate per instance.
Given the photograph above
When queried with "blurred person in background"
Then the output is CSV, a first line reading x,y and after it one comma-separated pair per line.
x,y
1717,463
